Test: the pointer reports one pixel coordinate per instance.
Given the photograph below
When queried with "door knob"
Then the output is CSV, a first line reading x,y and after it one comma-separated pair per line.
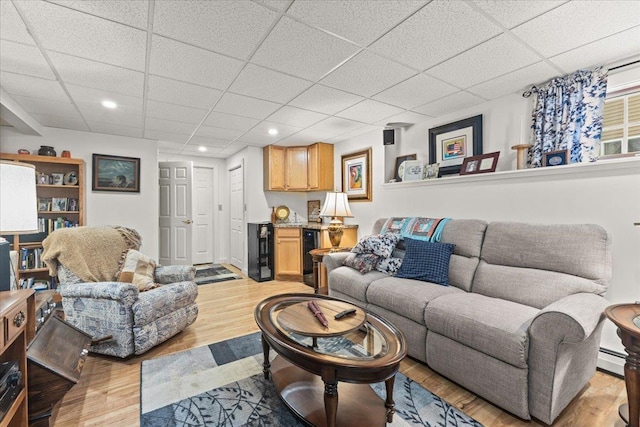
x,y
187,221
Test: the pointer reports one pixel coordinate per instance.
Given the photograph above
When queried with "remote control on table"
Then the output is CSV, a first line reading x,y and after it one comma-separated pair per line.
x,y
344,313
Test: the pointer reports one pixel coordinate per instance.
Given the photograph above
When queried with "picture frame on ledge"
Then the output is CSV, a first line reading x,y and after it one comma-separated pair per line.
x,y
556,158
412,170
430,171
483,163
451,143
356,175
399,161
313,211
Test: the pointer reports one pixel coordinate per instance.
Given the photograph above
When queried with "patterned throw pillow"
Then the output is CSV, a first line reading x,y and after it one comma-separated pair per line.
x,y
364,263
426,261
389,265
138,269
381,245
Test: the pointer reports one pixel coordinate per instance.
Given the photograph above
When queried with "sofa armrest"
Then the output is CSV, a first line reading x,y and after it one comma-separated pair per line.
x,y
117,291
174,273
572,319
334,260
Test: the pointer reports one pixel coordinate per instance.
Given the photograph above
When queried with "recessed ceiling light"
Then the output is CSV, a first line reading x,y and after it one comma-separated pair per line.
x,y
109,104
273,131
201,148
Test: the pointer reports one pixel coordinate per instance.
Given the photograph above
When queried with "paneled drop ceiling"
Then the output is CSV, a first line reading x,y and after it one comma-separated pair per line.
x,y
221,74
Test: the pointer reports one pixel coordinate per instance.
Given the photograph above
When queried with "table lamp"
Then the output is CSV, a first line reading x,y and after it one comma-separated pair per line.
x,y
18,207
336,205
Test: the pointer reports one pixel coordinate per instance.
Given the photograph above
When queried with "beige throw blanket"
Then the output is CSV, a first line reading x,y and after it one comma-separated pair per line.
x,y
91,253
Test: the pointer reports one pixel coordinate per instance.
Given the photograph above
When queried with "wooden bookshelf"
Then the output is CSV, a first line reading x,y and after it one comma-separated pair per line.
x,y
50,167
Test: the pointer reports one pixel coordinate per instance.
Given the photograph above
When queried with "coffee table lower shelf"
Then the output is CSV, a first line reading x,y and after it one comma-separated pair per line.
x,y
303,393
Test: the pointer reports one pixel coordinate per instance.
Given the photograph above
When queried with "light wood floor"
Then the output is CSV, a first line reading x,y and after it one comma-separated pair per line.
x,y
108,393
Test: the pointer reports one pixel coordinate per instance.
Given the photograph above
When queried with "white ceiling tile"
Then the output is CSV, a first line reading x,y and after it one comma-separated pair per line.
x,y
367,74
577,23
165,136
24,59
406,117
219,133
306,136
174,147
369,111
437,32
121,116
17,84
296,117
230,27
259,135
164,125
181,93
325,100
65,30
358,132
516,81
514,12
602,52
180,61
491,59
300,50
415,91
245,106
45,106
228,121
129,12
11,25
84,72
361,21
260,82
336,125
209,141
94,97
457,101
62,122
115,129
232,149
179,113
275,4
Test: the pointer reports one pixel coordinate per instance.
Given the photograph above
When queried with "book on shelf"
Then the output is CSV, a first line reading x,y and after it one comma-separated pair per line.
x,y
31,258
47,225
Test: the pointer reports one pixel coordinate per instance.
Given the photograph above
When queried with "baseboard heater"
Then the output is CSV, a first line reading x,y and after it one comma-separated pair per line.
x,y
612,362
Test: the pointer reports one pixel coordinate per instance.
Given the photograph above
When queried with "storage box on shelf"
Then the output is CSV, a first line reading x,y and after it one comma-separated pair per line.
x,y
61,195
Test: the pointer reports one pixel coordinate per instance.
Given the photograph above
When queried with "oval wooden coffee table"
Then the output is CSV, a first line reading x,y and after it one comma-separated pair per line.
x,y
312,360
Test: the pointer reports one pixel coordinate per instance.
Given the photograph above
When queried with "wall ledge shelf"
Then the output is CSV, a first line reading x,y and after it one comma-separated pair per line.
x,y
621,165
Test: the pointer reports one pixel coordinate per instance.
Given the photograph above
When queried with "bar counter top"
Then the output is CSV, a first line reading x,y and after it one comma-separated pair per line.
x,y
312,225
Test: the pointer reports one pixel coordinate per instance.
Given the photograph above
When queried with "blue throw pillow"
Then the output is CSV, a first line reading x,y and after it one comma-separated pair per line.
x,y
426,261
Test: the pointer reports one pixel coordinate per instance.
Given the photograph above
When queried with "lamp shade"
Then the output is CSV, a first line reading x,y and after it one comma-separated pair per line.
x,y
18,199
336,204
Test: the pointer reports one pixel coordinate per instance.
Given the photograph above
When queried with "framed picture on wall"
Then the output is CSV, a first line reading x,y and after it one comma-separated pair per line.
x,y
450,144
356,175
115,173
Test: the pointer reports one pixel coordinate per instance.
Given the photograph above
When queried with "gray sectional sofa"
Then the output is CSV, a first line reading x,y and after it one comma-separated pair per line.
x,y
520,323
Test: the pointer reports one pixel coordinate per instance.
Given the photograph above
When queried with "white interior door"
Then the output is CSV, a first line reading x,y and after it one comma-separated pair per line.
x,y
175,213
236,213
203,210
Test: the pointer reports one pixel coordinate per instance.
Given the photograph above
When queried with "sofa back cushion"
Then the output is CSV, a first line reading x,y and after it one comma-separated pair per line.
x,y
467,236
537,264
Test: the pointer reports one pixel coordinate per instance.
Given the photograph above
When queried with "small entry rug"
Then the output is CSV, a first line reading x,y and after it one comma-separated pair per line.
x,y
212,273
222,385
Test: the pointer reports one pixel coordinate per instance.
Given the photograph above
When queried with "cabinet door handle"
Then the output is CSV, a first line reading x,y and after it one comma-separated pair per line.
x,y
18,319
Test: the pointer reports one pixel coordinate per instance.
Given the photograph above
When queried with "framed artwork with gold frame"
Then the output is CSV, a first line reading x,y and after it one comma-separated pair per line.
x,y
356,175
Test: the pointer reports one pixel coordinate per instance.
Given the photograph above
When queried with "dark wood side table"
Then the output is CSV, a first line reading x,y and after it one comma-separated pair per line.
x,y
627,318
319,274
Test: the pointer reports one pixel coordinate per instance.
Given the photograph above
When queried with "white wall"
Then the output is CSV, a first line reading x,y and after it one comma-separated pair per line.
x,y
593,193
135,210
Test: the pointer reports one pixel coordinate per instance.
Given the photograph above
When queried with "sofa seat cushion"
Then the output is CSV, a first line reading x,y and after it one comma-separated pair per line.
x,y
493,326
407,297
349,281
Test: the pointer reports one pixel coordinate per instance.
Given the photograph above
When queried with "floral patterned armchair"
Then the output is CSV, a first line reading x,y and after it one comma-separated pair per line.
x,y
122,319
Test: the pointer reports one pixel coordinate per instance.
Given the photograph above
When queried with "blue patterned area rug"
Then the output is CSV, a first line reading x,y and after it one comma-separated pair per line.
x,y
211,273
222,385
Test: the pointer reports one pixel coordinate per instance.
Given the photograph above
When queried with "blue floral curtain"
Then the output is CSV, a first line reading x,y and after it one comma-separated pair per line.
x,y
567,115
